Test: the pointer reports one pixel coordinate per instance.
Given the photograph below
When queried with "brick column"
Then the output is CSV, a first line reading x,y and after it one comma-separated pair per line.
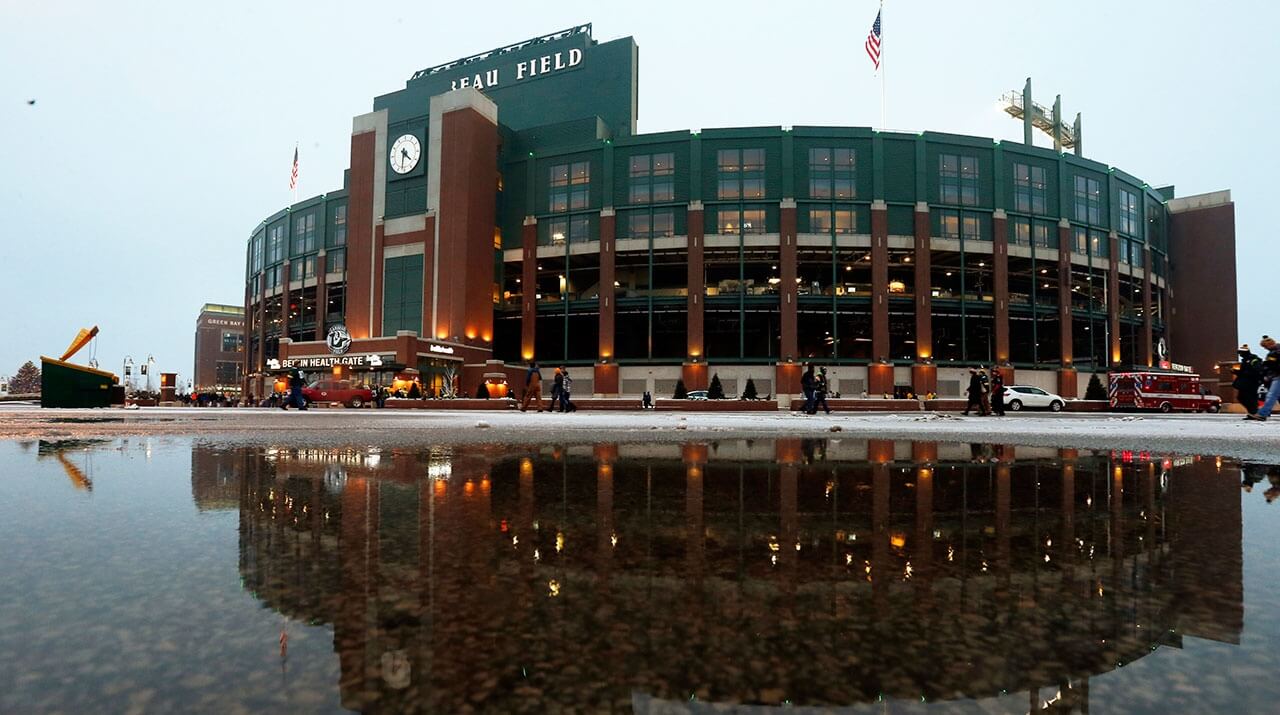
x,y
1144,350
285,270
1066,371
322,293
879,379
1113,300
786,374
529,286
924,374
1000,276
245,331
695,374
606,368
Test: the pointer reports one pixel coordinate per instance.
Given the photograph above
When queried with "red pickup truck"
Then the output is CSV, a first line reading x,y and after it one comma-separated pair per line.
x,y
337,391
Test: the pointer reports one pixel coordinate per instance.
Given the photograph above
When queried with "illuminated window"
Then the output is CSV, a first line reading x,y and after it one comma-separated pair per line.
x,y
1029,188
831,221
832,173
740,173
1128,212
958,179
652,178
570,186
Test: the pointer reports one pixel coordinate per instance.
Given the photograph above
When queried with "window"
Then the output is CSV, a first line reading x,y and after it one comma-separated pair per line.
x,y
304,234
309,267
958,225
740,173
336,261
570,186
832,173
650,224
653,178
338,236
1029,189
272,277
227,373
275,243
1020,232
255,251
1043,235
746,221
958,179
232,342
574,229
1088,200
829,221
1128,212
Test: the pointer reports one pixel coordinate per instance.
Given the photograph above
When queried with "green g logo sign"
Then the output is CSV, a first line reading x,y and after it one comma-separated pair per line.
x,y
338,340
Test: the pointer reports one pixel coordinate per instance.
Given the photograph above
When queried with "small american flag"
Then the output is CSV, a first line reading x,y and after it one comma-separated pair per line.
x,y
873,42
293,176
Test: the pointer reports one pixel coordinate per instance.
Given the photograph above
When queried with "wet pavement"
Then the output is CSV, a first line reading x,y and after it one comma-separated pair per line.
x,y
166,574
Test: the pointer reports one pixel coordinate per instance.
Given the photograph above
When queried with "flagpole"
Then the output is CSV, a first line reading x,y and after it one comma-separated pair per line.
x,y
299,172
883,111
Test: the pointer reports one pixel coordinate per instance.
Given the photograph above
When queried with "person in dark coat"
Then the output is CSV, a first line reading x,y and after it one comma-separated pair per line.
x,y
807,384
296,383
646,402
557,392
532,388
1248,377
1270,376
566,389
820,389
997,393
974,392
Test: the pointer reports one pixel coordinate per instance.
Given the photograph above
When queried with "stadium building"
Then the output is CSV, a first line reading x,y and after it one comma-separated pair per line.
x,y
502,208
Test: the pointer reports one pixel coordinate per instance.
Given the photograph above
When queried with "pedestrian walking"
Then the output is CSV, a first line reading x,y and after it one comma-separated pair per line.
x,y
1271,376
646,402
295,397
986,391
1248,377
820,389
566,388
532,388
997,393
974,392
557,389
807,384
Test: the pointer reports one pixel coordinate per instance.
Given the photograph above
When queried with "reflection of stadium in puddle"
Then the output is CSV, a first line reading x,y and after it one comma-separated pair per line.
x,y
820,573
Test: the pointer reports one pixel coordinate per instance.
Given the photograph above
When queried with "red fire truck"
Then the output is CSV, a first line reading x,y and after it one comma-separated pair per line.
x,y
1163,391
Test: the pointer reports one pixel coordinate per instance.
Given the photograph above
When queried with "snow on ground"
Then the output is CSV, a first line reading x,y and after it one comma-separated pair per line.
x,y
1226,435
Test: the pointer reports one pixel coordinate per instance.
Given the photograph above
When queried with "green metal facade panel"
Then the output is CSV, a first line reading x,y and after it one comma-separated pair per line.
x,y
899,170
402,294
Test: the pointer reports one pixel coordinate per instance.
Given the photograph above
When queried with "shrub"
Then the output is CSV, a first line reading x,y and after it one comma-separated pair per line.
x,y
1095,390
681,393
716,391
749,392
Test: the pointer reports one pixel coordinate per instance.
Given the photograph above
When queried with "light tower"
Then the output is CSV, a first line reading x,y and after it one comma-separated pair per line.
x,y
1020,106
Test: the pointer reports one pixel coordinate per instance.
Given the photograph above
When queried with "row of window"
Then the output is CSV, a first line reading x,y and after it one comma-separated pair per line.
x,y
303,268
740,174
269,245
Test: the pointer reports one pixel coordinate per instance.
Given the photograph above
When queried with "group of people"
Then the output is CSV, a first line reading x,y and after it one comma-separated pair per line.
x,y
561,390
815,388
985,392
1253,372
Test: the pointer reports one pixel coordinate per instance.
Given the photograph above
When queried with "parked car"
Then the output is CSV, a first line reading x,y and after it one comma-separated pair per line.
x,y
351,395
1019,396
696,395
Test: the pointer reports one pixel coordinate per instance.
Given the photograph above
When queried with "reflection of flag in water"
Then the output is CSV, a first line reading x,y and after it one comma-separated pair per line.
x,y
293,177
873,48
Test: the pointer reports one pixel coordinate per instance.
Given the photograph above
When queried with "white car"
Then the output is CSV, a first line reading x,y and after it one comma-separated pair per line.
x,y
1019,396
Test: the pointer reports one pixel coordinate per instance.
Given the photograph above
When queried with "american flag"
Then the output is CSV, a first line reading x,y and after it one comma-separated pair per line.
x,y
873,42
293,176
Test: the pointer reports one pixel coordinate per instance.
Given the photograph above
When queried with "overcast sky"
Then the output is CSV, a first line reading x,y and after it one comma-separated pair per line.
x,y
162,132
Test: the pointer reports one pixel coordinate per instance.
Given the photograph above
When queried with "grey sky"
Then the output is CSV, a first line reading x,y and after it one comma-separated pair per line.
x,y
162,132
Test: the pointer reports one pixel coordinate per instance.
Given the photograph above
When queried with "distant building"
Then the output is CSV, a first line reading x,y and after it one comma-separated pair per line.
x,y
219,359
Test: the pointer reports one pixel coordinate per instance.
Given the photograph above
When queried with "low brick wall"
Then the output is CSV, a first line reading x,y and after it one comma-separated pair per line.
x,y
593,404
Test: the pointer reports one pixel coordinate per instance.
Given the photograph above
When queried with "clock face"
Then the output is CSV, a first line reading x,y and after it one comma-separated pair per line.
x,y
405,153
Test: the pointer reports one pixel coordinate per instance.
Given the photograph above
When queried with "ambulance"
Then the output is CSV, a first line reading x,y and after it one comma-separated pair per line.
x,y
1160,391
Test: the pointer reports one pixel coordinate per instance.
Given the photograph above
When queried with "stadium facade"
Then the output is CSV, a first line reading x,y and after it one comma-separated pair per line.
x,y
502,208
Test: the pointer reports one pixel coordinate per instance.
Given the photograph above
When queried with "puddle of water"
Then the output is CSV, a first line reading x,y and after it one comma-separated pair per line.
x,y
860,576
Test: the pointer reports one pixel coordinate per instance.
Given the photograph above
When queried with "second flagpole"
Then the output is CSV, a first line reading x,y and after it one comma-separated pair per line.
x,y
883,110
